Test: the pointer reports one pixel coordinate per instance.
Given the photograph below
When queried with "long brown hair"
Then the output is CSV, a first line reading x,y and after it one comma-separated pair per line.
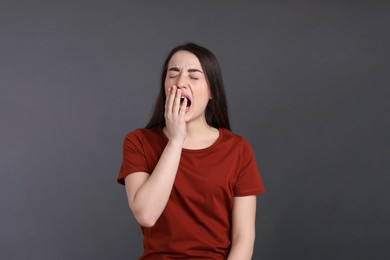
x,y
216,110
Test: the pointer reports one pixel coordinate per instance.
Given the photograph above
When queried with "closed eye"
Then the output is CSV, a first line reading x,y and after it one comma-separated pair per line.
x,y
195,75
172,75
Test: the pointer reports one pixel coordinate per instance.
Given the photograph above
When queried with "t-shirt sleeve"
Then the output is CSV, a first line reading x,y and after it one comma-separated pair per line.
x,y
249,181
134,159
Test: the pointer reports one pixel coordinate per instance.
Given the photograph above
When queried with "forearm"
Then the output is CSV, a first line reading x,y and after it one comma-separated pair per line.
x,y
243,228
151,199
152,192
241,250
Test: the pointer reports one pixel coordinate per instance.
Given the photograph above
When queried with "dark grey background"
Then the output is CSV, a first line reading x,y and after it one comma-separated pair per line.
x,y
307,85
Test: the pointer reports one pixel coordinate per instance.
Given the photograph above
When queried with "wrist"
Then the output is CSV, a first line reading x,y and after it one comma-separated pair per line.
x,y
178,143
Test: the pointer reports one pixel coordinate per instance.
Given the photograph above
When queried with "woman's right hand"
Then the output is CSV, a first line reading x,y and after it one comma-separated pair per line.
x,y
174,115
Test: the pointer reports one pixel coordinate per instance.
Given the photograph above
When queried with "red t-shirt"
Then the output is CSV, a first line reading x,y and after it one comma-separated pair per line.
x,y
196,222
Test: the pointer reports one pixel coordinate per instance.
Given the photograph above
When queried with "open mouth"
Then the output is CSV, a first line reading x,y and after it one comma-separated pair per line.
x,y
188,101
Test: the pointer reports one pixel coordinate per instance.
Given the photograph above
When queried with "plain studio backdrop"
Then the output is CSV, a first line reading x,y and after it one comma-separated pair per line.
x,y
307,84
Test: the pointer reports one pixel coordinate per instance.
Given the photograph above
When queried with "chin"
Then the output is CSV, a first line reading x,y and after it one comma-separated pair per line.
x,y
187,118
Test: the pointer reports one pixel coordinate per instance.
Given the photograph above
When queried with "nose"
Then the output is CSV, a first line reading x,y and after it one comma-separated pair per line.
x,y
181,82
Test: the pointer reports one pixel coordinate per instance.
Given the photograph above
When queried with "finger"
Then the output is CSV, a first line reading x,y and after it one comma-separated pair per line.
x,y
168,95
166,100
169,99
183,107
176,103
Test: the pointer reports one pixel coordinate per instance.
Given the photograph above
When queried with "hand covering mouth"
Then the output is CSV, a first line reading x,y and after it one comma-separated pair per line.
x,y
188,100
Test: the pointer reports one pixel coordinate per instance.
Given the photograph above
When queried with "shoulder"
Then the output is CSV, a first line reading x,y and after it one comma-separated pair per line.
x,y
234,139
141,135
143,132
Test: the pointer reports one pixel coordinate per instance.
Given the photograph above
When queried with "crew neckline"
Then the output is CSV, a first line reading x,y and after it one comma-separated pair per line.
x,y
186,150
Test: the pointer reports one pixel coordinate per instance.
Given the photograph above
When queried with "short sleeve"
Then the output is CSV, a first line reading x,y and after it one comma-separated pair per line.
x,y
134,159
248,181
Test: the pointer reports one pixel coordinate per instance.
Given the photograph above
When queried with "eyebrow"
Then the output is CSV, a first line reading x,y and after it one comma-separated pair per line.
x,y
189,70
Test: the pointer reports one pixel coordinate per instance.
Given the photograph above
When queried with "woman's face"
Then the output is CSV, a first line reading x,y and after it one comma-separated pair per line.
x,y
185,72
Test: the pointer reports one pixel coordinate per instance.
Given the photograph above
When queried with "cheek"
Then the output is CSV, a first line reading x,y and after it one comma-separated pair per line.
x,y
204,97
207,92
167,84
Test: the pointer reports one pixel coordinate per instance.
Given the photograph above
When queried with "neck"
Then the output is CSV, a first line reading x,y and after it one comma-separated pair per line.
x,y
198,129
200,135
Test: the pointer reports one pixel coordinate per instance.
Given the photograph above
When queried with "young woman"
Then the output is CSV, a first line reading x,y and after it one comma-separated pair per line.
x,y
191,182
